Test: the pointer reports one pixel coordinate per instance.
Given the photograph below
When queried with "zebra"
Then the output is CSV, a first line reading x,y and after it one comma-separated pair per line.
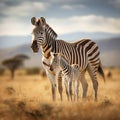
x,y
70,73
84,52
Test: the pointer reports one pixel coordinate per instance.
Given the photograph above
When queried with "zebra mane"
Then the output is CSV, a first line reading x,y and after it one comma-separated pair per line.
x,y
50,32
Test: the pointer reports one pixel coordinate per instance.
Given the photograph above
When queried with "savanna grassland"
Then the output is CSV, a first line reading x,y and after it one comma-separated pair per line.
x,y
28,97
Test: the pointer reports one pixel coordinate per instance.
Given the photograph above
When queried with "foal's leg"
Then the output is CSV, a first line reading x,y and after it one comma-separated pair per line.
x,y
66,86
60,88
70,89
76,90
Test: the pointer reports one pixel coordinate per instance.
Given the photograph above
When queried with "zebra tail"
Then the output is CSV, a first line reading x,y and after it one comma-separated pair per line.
x,y
100,70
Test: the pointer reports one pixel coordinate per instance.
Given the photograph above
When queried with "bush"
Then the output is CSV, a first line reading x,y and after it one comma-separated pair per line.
x,y
42,73
32,71
2,71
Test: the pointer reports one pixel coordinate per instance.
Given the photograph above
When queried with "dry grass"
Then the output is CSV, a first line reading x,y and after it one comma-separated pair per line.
x,y
29,98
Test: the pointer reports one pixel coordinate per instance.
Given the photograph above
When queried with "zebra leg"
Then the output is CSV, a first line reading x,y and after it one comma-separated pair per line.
x,y
53,84
70,89
66,87
92,73
76,90
60,88
84,84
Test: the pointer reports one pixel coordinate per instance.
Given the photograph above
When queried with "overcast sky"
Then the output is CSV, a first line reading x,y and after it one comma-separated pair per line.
x,y
64,16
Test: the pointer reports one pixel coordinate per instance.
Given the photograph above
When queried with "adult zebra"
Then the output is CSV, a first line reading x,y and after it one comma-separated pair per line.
x,y
83,51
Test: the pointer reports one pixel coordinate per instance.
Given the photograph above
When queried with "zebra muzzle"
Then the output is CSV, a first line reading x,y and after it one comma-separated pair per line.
x,y
35,49
34,46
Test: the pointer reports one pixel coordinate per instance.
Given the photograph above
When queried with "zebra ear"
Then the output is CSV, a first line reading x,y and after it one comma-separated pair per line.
x,y
43,21
33,20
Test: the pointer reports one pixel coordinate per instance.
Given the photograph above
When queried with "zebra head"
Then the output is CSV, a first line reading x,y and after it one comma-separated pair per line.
x,y
38,33
55,61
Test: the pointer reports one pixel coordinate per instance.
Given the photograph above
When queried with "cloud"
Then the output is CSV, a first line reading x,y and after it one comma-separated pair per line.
x,y
64,1
90,23
67,7
23,8
70,7
14,26
115,3
14,16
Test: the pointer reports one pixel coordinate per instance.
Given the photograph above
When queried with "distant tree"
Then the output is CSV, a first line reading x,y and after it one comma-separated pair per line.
x,y
2,71
21,57
109,74
14,63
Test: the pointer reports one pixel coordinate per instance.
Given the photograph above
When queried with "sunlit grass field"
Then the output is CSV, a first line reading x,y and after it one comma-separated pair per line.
x,y
28,97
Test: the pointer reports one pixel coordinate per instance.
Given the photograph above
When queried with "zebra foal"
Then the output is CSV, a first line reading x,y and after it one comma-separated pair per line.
x,y
71,73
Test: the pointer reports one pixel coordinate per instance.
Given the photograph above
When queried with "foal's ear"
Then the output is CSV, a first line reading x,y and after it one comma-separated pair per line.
x,y
33,20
